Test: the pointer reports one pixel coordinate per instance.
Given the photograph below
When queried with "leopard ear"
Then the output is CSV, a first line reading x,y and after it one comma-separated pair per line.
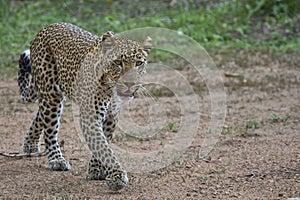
x,y
108,34
107,41
146,45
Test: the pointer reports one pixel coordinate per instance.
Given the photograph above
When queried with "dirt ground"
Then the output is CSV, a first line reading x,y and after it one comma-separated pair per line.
x,y
257,155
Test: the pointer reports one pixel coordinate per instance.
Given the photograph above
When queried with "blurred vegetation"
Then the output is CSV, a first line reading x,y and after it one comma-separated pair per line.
x,y
252,25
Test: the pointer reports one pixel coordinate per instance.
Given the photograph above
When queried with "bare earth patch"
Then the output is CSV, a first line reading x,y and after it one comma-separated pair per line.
x,y
257,155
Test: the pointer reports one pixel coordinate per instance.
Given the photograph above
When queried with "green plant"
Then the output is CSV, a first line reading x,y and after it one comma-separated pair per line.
x,y
223,169
119,137
204,179
161,142
65,197
275,118
172,127
252,124
227,130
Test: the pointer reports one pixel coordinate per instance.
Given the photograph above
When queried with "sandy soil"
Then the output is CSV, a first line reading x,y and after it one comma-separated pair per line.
x,y
257,155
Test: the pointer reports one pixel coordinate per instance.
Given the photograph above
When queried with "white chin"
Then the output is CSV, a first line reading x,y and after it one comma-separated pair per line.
x,y
126,99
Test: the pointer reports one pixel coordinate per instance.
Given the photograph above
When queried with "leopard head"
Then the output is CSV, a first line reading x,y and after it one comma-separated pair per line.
x,y
128,62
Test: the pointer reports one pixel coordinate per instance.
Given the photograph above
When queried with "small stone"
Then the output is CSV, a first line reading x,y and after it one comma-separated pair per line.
x,y
188,166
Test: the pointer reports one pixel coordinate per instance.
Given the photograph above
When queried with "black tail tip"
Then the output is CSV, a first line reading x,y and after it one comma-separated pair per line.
x,y
24,61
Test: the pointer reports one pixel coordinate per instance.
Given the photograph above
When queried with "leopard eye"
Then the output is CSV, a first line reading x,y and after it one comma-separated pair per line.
x,y
138,63
118,62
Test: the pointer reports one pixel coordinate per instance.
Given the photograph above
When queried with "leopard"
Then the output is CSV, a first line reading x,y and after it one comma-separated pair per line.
x,y
65,61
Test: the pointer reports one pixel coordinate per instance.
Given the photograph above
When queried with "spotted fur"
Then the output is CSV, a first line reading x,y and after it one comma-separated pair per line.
x,y
67,61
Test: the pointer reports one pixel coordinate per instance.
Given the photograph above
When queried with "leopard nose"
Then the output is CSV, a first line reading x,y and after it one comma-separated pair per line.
x,y
129,84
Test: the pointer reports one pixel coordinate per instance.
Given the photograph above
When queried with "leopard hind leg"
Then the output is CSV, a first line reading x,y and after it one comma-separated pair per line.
x,y
51,111
32,136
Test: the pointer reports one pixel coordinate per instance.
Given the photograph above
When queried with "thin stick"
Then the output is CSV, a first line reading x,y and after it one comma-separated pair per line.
x,y
22,155
227,74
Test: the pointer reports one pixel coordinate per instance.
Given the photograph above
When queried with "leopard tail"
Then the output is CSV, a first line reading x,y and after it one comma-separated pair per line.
x,y
25,80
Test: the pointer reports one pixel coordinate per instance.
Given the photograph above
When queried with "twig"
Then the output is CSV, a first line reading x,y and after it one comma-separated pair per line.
x,y
227,74
22,155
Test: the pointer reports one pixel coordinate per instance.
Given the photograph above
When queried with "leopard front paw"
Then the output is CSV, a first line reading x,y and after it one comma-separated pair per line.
x,y
117,180
96,174
59,165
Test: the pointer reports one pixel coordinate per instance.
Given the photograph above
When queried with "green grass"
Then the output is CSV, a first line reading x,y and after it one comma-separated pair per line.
x,y
229,25
275,118
252,124
172,127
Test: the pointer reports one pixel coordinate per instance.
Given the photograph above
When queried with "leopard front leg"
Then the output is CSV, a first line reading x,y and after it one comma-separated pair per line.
x,y
104,164
110,122
96,171
51,111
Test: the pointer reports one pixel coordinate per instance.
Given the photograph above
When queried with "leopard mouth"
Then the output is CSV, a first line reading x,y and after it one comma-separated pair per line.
x,y
127,93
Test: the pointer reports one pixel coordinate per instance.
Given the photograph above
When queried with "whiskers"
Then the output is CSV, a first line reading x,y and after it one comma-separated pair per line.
x,y
144,92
